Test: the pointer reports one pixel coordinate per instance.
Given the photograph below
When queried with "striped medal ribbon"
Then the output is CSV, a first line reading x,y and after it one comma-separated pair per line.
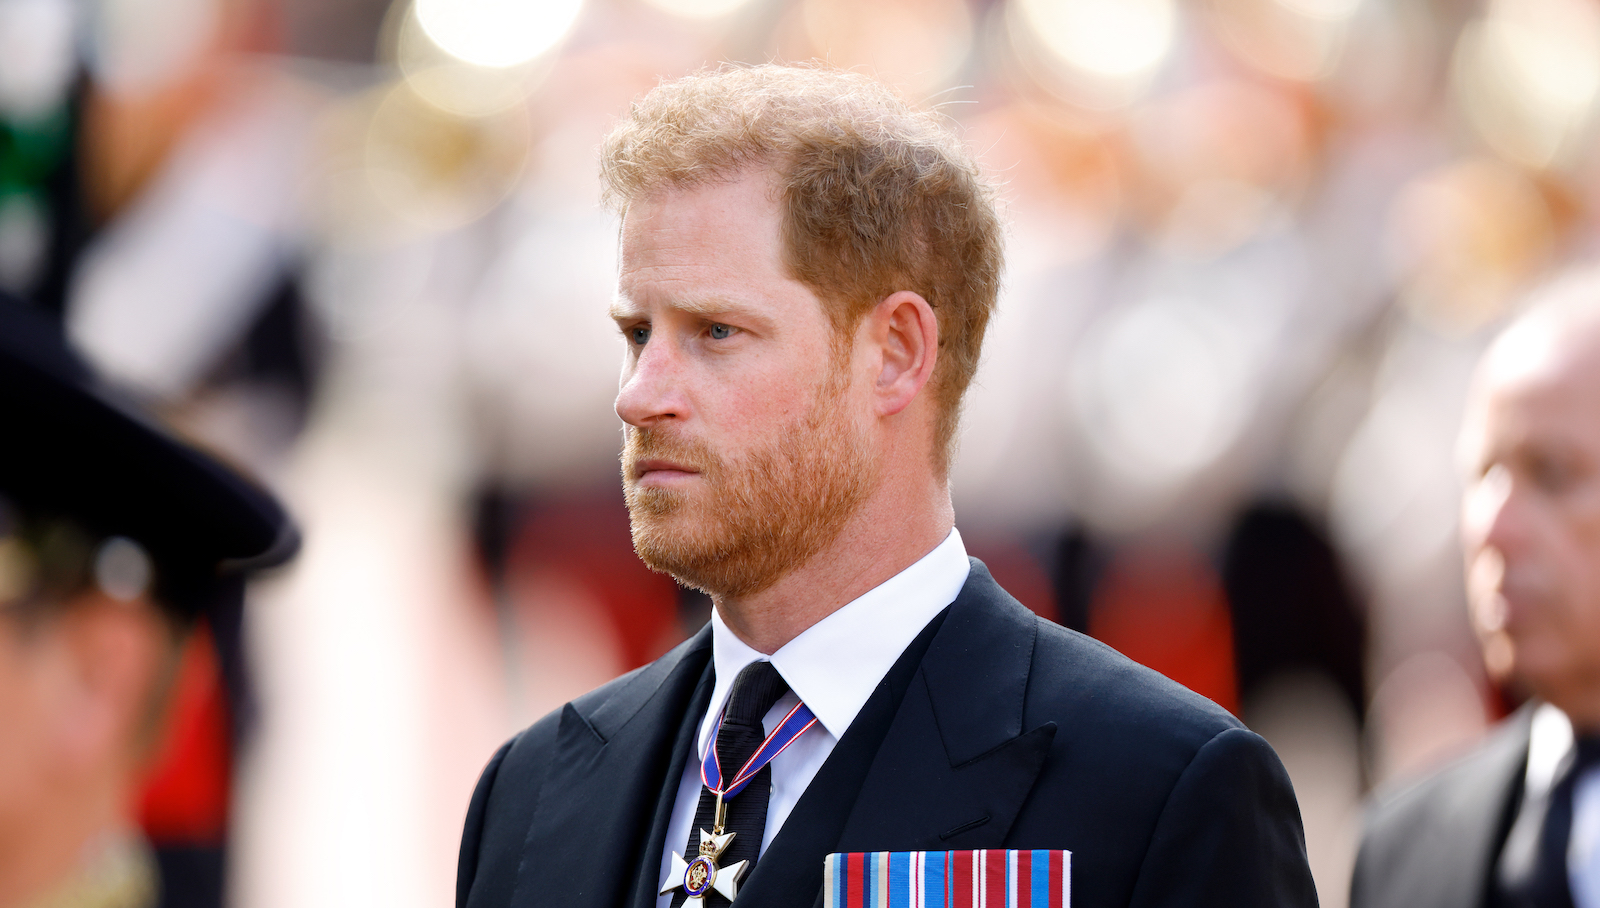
x,y
948,879
796,723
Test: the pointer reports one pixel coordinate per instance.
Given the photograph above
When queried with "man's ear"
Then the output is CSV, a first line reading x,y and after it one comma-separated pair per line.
x,y
904,333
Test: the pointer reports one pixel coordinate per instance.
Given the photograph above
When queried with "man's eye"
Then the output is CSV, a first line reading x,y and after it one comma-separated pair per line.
x,y
1550,475
639,334
718,332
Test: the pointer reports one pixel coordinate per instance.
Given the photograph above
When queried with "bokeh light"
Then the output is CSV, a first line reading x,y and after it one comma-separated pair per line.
x,y
1291,39
497,32
1109,48
917,45
1464,238
438,169
37,54
445,80
1064,182
1112,38
1162,388
1331,10
699,9
1219,162
1527,75
140,45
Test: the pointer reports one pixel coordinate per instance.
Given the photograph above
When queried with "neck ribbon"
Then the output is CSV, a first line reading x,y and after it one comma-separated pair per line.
x,y
796,723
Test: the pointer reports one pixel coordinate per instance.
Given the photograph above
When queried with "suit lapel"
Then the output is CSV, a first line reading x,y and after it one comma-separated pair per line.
x,y
932,762
610,769
1475,814
789,873
646,882
957,762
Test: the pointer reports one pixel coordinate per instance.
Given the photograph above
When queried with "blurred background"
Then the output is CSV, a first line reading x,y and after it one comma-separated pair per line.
x,y
354,245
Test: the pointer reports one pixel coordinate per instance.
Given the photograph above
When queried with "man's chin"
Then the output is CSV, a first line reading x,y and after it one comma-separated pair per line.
x,y
662,536
1549,667
654,504
684,549
689,566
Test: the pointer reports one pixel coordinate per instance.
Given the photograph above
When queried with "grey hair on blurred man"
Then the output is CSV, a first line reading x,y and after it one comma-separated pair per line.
x,y
1517,822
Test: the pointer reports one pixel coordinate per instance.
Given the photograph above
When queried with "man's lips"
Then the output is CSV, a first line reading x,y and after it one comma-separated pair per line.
x,y
662,470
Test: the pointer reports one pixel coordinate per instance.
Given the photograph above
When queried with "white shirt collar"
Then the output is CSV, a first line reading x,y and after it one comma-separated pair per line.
x,y
834,665
1549,740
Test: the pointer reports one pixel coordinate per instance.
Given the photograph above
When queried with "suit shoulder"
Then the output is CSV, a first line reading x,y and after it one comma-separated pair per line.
x,y
1432,841
513,783
1080,680
1168,796
501,807
1442,799
527,756
620,693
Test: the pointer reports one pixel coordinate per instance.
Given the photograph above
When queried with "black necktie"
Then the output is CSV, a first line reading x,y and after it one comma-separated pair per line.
x,y
754,691
1532,872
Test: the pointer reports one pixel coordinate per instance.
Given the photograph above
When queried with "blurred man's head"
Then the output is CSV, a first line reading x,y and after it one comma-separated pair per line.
x,y
789,237
1531,512
86,661
114,539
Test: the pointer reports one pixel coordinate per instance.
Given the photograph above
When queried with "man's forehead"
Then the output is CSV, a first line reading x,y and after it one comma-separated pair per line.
x,y
1537,391
744,207
708,250
1549,356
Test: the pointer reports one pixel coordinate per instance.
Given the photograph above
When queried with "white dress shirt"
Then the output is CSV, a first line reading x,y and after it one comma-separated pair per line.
x,y
1549,741
834,666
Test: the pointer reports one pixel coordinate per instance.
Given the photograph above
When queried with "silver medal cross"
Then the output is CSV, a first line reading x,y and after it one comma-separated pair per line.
x,y
702,875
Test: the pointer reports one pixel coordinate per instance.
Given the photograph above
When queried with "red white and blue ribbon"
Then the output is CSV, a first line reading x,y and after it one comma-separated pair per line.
x,y
948,879
795,724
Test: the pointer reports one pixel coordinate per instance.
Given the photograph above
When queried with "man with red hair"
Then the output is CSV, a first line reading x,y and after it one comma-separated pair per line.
x,y
808,266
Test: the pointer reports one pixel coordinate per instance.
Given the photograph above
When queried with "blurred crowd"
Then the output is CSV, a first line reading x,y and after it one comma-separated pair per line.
x,y
355,246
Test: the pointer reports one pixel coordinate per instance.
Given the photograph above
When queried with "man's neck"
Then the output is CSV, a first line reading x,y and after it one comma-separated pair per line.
x,y
883,538
1581,703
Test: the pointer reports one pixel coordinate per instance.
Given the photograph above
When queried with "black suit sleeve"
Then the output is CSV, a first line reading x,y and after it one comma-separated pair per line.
x,y
1229,834
472,834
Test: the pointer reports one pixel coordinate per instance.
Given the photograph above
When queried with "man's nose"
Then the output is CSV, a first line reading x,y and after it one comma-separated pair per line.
x,y
1495,515
652,386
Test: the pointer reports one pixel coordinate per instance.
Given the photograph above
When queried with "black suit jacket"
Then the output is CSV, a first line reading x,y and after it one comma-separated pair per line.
x,y
995,729
1435,843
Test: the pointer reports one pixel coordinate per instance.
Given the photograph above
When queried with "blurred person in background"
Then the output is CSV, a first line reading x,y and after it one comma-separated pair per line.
x,y
807,269
115,539
1516,823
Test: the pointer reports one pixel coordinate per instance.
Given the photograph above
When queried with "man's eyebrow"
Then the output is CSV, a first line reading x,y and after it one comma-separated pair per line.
x,y
706,307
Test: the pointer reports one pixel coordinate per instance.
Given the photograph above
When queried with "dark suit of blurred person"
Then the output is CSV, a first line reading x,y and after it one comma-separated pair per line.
x,y
1516,823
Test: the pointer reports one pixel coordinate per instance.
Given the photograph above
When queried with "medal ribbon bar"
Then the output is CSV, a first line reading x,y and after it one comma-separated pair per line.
x,y
948,879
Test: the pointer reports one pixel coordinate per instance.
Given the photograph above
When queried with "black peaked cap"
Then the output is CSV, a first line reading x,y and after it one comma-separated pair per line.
x,y
69,449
